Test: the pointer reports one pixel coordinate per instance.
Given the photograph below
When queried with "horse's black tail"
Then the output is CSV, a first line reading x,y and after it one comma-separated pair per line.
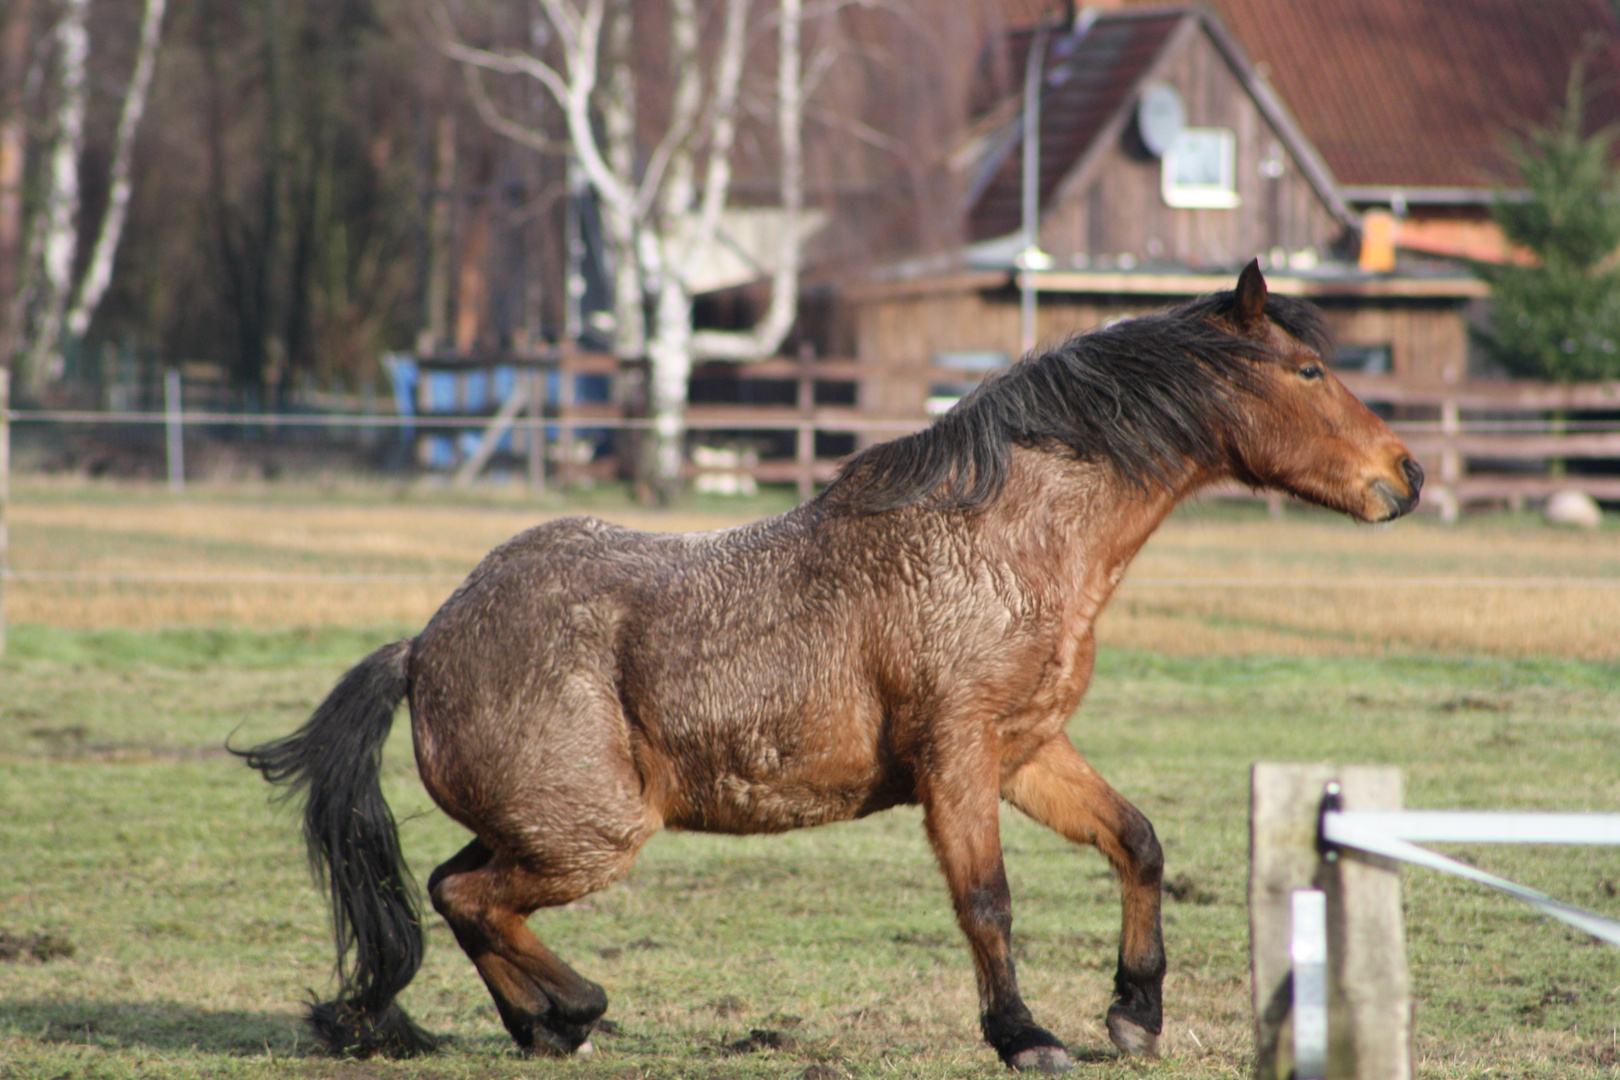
x,y
333,761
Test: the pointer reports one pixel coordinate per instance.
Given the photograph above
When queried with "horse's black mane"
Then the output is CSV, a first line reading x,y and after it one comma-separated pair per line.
x,y
1148,397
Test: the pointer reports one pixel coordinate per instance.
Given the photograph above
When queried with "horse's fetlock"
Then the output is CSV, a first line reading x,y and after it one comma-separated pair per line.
x,y
1139,997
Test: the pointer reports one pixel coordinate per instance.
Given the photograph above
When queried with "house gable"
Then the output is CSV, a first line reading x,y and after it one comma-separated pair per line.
x,y
1102,203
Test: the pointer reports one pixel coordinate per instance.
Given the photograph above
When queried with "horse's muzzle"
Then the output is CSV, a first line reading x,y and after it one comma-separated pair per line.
x,y
1400,505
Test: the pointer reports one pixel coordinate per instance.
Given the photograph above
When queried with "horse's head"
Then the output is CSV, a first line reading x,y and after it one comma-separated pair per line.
x,y
1306,434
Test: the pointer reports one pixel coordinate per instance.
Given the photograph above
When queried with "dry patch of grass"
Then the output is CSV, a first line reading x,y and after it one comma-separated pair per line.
x,y
279,564
1213,581
1315,585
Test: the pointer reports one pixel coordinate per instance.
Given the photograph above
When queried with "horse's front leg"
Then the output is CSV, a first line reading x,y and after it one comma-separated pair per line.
x,y
962,815
1061,790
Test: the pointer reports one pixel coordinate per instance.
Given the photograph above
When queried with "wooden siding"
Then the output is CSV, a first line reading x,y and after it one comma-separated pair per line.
x,y
1428,340
1115,207
897,336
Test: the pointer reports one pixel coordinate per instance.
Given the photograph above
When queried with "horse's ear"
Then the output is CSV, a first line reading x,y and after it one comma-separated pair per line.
x,y
1249,309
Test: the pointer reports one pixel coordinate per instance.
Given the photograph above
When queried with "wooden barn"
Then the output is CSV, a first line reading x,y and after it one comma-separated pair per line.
x,y
1166,162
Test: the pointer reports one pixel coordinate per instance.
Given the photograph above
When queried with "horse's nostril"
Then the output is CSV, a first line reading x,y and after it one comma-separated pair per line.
x,y
1414,475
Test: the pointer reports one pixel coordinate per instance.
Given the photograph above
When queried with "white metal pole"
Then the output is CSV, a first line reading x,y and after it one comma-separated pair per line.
x,y
1309,953
1033,68
172,425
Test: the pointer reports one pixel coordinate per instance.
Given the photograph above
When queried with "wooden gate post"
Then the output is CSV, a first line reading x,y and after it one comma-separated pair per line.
x,y
5,492
1369,993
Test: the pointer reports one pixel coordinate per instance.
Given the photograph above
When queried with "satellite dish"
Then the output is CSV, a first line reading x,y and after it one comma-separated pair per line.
x,y
1160,117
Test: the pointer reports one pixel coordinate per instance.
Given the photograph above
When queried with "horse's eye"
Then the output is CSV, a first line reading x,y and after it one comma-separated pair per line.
x,y
1311,371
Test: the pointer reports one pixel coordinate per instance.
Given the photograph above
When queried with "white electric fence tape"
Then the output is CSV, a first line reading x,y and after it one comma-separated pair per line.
x,y
1389,833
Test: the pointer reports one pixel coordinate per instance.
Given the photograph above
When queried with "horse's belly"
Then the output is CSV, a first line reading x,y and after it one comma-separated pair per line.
x,y
764,786
734,804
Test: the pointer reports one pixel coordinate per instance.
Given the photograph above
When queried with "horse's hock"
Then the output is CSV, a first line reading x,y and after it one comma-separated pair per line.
x,y
1368,988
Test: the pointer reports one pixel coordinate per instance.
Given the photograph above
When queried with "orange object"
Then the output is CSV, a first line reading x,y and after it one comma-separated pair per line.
x,y
1378,228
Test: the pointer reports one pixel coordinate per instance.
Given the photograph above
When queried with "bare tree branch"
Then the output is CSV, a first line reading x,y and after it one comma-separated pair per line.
x,y
688,98
519,133
768,334
581,40
567,22
717,173
508,64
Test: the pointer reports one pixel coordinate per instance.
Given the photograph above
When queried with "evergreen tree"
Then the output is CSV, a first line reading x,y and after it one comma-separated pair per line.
x,y
1560,317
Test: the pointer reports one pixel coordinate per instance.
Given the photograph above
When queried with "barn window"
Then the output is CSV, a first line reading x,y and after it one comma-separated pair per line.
x,y
1367,359
1198,169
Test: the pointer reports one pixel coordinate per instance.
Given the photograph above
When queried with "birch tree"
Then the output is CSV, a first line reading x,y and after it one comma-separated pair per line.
x,y
98,275
14,43
662,210
56,232
56,304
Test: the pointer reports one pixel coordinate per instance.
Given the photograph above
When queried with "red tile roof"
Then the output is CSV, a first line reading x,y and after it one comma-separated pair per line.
x,y
1424,93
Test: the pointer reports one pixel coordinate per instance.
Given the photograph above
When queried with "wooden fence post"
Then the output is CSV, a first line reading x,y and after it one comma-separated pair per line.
x,y
566,478
1369,993
5,493
174,437
537,432
1451,461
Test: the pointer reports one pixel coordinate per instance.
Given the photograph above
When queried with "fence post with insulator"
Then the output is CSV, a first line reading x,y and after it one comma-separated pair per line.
x,y
1367,991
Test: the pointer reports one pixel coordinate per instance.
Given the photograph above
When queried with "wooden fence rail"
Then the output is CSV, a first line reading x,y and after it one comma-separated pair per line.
x,y
1502,442
1479,442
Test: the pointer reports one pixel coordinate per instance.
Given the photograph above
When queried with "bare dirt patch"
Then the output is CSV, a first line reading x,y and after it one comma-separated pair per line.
x,y
41,948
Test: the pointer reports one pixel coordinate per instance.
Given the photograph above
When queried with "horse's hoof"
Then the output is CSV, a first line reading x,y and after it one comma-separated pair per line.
x,y
1132,1038
585,1051
1045,1059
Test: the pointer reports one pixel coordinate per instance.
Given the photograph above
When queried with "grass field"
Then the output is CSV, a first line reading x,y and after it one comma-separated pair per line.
x,y
129,833
1214,579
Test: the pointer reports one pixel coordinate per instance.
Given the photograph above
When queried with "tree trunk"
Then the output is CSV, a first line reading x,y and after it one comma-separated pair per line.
x,y
618,218
766,336
662,226
13,146
60,211
439,227
670,355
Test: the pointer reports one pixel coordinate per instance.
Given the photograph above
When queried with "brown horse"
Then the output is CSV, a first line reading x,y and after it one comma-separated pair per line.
x,y
919,633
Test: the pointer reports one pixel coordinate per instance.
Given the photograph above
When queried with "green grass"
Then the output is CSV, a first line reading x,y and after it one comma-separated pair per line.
x,y
127,829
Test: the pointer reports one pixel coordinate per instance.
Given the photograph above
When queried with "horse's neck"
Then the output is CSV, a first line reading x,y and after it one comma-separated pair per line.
x,y
1076,525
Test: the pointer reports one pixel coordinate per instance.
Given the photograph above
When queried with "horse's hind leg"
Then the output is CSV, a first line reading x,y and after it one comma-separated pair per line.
x,y
546,1005
1060,789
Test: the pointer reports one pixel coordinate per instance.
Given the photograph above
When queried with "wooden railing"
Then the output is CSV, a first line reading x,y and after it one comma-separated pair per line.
x,y
1499,442
1478,441
1504,441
